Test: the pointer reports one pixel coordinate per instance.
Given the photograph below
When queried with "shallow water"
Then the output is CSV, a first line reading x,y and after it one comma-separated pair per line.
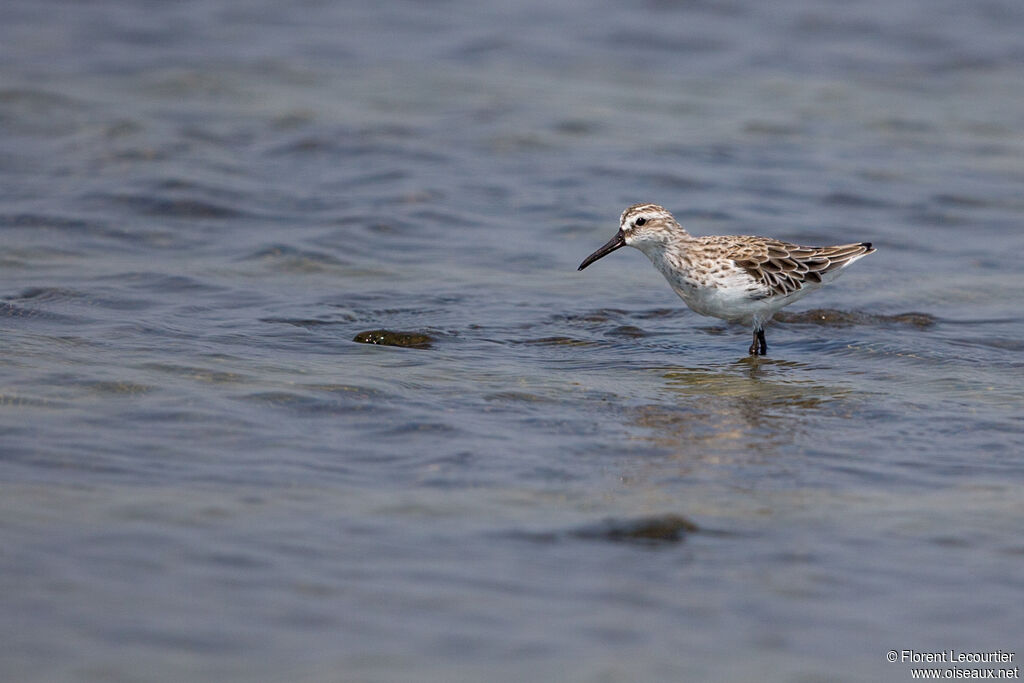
x,y
567,475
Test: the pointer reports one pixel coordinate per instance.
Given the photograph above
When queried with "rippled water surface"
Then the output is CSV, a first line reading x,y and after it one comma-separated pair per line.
x,y
206,207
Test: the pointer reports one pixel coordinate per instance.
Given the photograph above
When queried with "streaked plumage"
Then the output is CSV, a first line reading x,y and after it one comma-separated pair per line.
x,y
739,278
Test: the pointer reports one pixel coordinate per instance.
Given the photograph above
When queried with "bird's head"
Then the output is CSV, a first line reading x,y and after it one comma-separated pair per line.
x,y
642,226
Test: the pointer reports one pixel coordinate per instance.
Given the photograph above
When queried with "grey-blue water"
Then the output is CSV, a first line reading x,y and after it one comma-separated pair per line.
x,y
203,477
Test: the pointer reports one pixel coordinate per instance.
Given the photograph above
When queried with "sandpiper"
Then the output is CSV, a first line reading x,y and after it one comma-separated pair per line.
x,y
738,278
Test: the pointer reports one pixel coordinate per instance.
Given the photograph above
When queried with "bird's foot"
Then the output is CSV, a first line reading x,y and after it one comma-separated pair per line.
x,y
759,347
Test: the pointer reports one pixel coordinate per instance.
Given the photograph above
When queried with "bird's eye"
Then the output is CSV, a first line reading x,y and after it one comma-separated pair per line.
x,y
639,221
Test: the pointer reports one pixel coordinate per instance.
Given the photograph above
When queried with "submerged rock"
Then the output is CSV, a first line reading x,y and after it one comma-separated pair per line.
x,y
558,341
628,331
412,340
658,529
831,316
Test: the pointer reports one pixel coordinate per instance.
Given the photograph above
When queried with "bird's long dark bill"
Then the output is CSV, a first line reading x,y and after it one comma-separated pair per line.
x,y
614,243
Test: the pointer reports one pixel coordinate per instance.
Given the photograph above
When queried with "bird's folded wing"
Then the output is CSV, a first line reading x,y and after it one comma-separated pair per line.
x,y
785,268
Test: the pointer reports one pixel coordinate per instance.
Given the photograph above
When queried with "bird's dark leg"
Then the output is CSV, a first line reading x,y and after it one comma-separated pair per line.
x,y
758,347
